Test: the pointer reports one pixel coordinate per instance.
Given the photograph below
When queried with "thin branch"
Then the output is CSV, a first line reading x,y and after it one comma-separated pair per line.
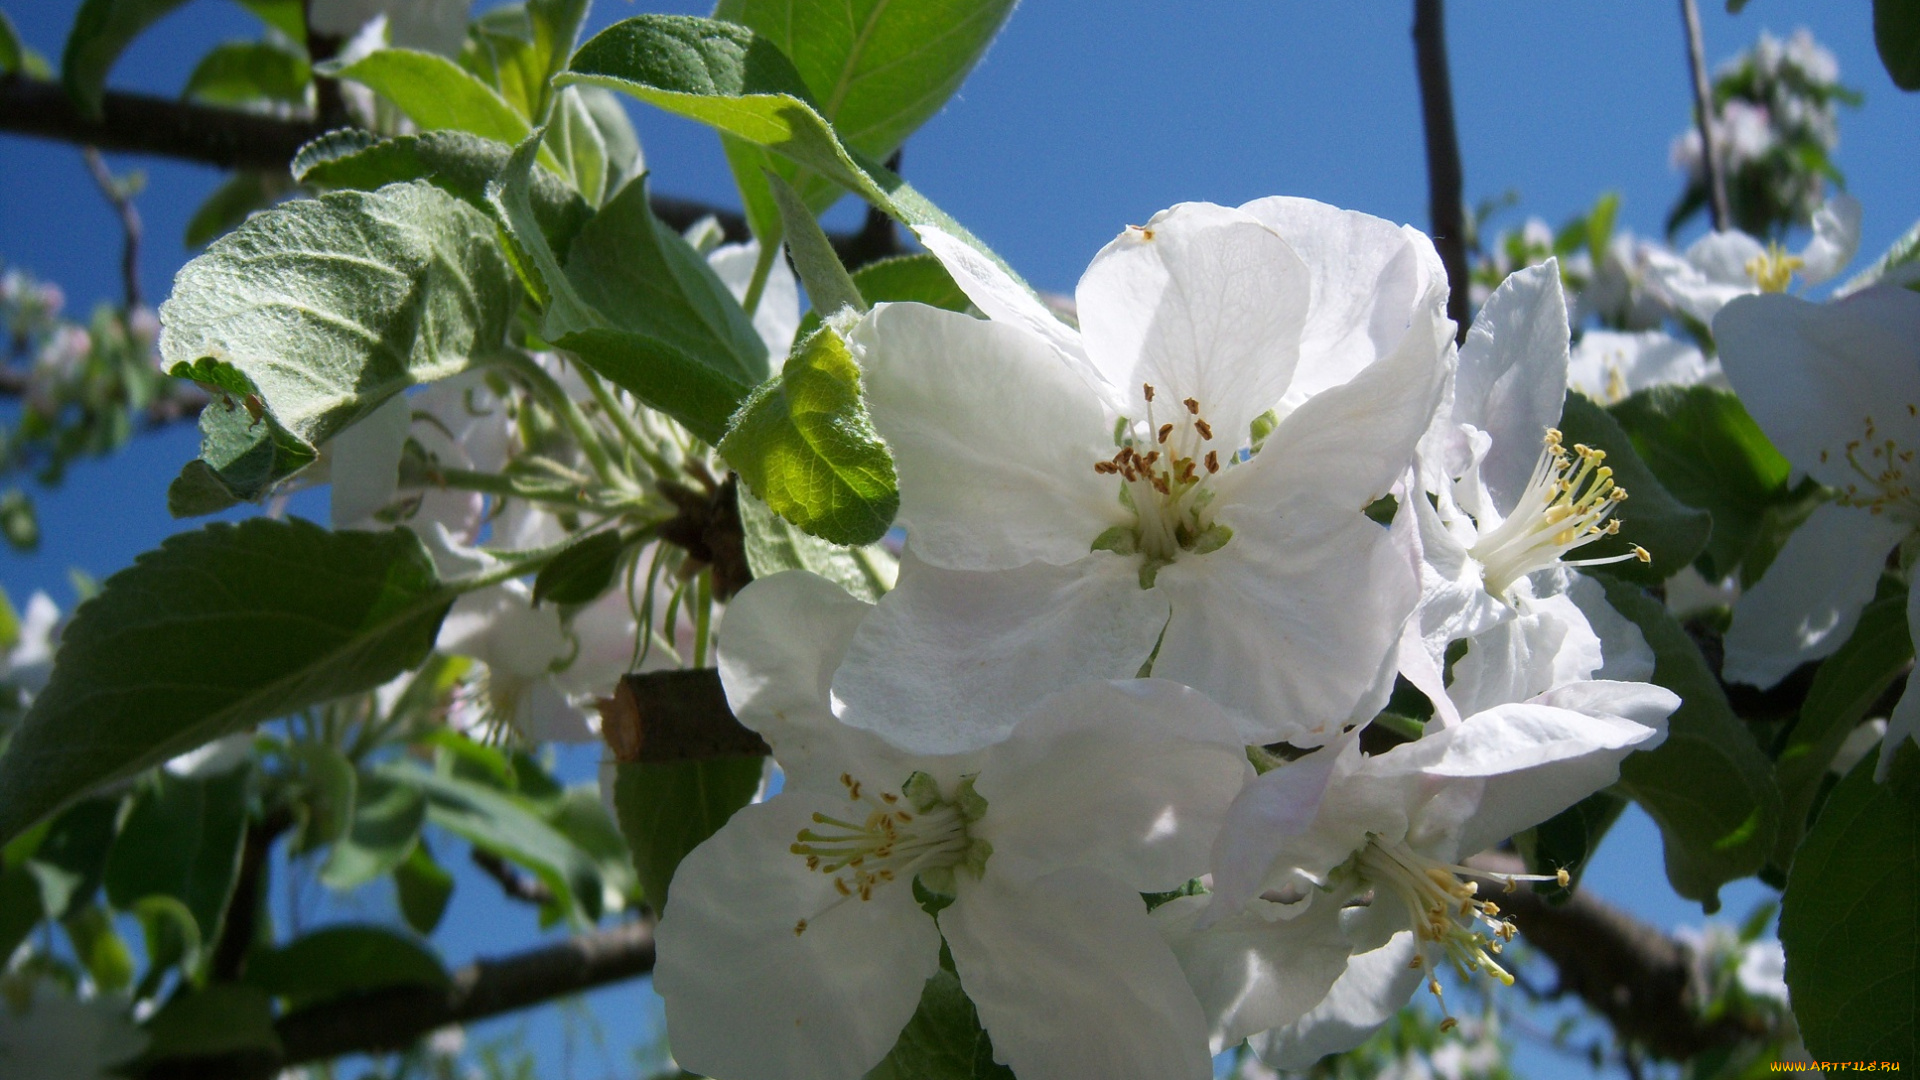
x,y
1703,112
237,930
516,885
396,1018
122,200
139,124
1445,206
1631,973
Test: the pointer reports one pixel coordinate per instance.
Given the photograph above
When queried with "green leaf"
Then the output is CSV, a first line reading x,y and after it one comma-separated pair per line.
x,y
668,808
327,789
13,51
1905,249
101,29
1708,786
230,204
775,544
919,278
182,838
312,314
1896,34
1672,532
423,887
582,817
1850,920
19,524
741,84
663,376
1568,840
877,71
582,573
943,1041
215,631
1708,453
498,823
20,909
71,857
387,816
437,94
455,162
342,960
223,1018
805,445
172,938
240,73
1846,686
287,16
100,948
829,287
516,49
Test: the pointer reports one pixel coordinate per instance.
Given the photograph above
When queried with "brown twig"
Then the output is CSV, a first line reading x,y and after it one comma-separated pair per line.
x,y
122,201
516,885
1704,114
1445,206
237,931
674,716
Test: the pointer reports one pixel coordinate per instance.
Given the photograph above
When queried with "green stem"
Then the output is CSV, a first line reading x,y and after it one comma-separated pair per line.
x,y
637,440
496,484
576,421
702,616
762,269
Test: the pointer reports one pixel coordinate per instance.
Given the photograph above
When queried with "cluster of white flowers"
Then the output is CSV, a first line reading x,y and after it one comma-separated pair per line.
x,y
1140,559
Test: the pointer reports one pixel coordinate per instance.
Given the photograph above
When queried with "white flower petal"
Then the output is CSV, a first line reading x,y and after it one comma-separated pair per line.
x,y
1278,805
1904,723
1368,277
749,998
778,316
1836,239
1374,987
1056,796
1806,604
1204,302
1608,365
1548,644
501,627
1712,272
995,440
1252,973
949,660
364,463
1513,375
1813,375
1005,300
1289,625
1628,658
1071,980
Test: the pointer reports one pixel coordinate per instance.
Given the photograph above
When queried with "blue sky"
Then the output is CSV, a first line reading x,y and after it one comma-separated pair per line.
x,y
1085,116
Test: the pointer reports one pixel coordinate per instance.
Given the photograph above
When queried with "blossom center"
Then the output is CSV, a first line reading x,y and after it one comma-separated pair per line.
x,y
1445,912
884,836
1881,465
1773,272
1164,476
1568,502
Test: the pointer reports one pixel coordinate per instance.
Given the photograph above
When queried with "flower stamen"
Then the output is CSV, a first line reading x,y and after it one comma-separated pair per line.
x,y
1565,505
1881,463
889,842
1773,272
1166,487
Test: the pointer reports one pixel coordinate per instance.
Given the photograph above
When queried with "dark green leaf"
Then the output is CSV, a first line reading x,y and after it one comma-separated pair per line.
x,y
240,73
387,816
663,376
1896,33
311,315
12,49
99,947
943,1041
919,278
101,29
224,1018
1708,786
230,204
172,935
582,573
342,960
775,544
287,16
498,823
327,789
20,909
667,809
437,93
18,522
423,887
72,854
182,839
1850,920
1568,840
1651,517
517,48
806,447
458,163
1847,685
582,817
215,631
731,79
829,287
1708,453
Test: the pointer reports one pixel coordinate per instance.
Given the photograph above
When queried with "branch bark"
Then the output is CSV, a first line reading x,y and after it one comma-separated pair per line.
x,y
1446,208
1703,112
122,201
674,716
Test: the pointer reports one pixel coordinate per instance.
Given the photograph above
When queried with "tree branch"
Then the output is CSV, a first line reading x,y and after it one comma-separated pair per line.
x,y
516,885
122,200
1703,112
1445,206
1640,979
394,1019
674,716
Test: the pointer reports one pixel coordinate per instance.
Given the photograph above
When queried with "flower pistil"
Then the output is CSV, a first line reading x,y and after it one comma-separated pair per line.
x,y
914,832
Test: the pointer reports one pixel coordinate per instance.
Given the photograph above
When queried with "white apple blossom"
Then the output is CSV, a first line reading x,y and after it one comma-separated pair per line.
x,y
1276,950
438,26
47,1034
1181,480
1498,515
794,946
1608,365
1723,265
1837,388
